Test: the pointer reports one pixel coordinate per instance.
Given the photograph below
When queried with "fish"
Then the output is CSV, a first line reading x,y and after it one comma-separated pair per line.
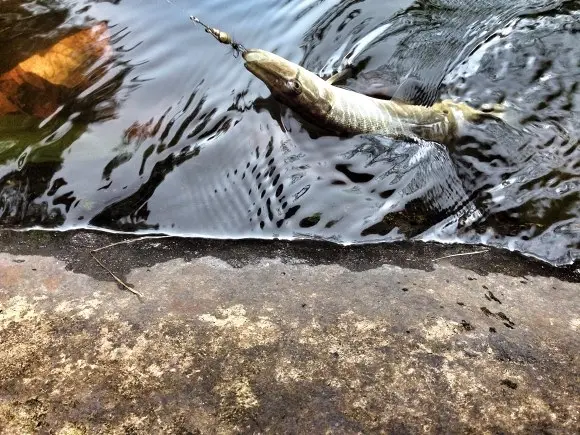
x,y
345,112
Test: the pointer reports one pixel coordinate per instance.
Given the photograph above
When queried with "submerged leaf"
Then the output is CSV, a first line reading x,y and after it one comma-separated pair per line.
x,y
36,86
66,62
6,106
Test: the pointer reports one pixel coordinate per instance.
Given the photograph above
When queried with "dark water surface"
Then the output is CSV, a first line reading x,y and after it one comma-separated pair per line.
x,y
175,136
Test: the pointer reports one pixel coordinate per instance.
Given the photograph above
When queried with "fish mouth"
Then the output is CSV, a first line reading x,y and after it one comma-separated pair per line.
x,y
255,60
255,55
268,67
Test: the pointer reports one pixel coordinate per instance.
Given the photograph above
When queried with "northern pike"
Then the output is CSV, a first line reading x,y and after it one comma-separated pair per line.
x,y
346,112
343,111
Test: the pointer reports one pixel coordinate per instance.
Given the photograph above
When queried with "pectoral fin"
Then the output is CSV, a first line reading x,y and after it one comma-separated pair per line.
x,y
383,85
410,91
340,76
413,91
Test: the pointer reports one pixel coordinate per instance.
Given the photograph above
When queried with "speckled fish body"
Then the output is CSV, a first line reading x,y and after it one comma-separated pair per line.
x,y
346,112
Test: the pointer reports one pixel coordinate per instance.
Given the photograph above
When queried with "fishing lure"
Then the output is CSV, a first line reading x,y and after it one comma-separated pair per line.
x,y
221,36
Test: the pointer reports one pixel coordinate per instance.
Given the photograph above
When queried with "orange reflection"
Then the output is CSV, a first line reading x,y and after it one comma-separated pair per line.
x,y
39,84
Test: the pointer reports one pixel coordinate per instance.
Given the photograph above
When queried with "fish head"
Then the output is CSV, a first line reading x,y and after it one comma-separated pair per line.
x,y
294,86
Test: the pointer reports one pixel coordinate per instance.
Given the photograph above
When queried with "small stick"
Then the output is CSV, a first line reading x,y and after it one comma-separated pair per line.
x,y
122,242
459,255
130,289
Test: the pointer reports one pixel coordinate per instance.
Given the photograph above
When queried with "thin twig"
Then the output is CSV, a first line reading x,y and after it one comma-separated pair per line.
x,y
115,277
132,290
459,255
122,242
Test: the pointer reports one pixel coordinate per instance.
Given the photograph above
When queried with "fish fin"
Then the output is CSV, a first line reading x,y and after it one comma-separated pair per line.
x,y
472,114
413,91
339,76
496,109
384,92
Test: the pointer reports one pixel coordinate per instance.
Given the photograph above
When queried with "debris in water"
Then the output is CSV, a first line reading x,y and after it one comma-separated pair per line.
x,y
115,277
38,85
459,255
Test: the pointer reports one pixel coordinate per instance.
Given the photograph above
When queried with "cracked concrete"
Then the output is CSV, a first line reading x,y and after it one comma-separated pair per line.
x,y
269,337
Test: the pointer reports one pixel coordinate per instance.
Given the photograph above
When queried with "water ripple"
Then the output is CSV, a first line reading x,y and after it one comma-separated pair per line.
x,y
173,135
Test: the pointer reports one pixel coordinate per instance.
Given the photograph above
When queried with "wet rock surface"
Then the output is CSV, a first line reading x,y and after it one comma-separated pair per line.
x,y
261,337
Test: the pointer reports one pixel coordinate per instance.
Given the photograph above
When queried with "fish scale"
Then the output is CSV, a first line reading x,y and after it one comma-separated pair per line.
x,y
354,113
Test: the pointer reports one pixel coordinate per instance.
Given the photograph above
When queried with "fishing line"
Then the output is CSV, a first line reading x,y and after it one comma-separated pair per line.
x,y
220,36
177,6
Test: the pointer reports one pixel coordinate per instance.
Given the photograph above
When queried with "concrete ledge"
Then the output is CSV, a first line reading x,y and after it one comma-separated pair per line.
x,y
283,337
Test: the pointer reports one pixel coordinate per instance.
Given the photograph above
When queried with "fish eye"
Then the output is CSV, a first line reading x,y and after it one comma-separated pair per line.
x,y
294,86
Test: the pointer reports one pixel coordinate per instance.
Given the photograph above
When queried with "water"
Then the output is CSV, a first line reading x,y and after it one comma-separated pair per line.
x,y
174,136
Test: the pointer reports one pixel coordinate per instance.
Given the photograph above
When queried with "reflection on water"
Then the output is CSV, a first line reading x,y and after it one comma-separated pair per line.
x,y
169,133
